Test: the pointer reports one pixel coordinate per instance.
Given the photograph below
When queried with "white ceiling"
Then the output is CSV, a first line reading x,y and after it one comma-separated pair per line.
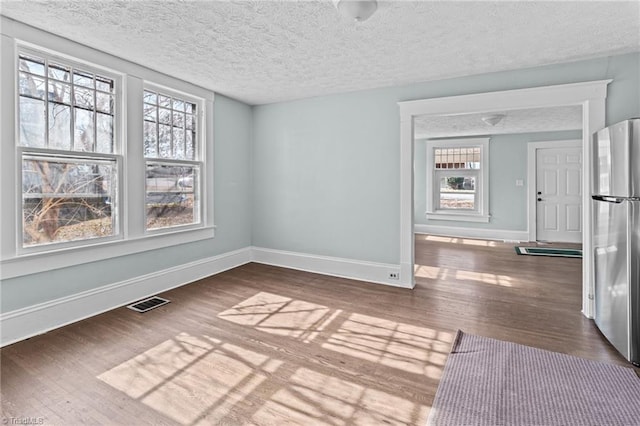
x,y
269,51
516,121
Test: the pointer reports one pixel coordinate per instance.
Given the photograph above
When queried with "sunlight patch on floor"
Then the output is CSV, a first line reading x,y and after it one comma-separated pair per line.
x,y
456,240
190,378
484,277
439,273
314,398
406,347
439,239
481,243
281,316
424,271
205,380
202,380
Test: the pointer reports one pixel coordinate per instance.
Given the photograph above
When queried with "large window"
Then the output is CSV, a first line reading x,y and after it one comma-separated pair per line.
x,y
67,152
457,179
172,157
99,157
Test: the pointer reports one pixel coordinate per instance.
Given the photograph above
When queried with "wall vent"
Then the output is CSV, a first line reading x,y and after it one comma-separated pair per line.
x,y
148,304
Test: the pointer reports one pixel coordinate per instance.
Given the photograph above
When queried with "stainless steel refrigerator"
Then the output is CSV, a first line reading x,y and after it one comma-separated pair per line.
x,y
616,235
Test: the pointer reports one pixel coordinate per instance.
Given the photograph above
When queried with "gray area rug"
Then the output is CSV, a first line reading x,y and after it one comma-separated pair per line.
x,y
491,382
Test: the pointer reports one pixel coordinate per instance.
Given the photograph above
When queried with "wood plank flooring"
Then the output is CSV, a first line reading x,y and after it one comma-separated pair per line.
x,y
270,346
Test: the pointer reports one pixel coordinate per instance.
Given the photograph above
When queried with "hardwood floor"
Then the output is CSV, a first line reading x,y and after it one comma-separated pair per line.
x,y
267,345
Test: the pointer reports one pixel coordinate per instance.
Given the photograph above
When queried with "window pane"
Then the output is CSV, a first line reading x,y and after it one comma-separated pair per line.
x,y
150,97
464,158
83,135
103,102
457,192
188,142
104,133
31,64
475,158
164,116
104,84
59,126
31,86
32,123
83,97
175,136
82,78
178,119
178,105
164,141
59,72
67,199
59,92
170,196
150,112
178,143
150,140
164,101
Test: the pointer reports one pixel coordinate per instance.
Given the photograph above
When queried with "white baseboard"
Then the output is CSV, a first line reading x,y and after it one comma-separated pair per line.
x,y
37,319
334,266
482,233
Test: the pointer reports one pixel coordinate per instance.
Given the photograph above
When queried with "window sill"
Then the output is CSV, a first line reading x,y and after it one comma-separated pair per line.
x,y
459,217
46,261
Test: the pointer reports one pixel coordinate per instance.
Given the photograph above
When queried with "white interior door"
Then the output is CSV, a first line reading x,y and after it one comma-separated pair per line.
x,y
559,194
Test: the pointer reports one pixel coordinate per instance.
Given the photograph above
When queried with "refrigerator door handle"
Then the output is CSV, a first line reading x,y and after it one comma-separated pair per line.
x,y
608,199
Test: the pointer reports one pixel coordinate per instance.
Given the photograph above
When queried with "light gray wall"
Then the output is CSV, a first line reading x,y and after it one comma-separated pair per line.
x,y
320,176
326,177
507,162
326,170
232,205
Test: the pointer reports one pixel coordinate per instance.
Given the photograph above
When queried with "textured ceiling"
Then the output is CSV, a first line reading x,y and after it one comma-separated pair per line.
x,y
516,121
269,51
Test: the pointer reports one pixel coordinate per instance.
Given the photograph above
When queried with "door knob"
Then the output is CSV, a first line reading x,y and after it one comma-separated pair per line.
x,y
539,199
539,192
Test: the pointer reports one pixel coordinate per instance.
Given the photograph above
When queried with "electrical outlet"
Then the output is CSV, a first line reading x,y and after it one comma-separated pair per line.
x,y
394,275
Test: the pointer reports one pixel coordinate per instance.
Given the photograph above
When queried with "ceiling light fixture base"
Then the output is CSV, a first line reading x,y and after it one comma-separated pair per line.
x,y
494,119
356,10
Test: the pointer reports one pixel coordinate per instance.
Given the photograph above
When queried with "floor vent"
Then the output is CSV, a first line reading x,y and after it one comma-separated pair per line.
x,y
148,304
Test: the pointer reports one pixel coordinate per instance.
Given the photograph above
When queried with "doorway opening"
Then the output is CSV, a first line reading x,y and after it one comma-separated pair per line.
x,y
590,96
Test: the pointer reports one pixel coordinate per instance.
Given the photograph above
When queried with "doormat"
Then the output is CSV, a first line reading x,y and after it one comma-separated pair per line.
x,y
549,251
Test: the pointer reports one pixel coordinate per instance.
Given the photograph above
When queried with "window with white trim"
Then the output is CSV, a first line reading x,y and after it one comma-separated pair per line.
x,y
67,152
457,179
89,181
172,160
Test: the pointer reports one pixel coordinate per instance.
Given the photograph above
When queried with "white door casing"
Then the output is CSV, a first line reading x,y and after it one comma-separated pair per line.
x,y
590,95
559,194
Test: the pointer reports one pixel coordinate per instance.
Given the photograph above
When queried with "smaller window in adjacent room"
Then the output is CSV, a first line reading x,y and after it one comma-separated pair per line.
x,y
173,160
66,148
457,170
457,176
